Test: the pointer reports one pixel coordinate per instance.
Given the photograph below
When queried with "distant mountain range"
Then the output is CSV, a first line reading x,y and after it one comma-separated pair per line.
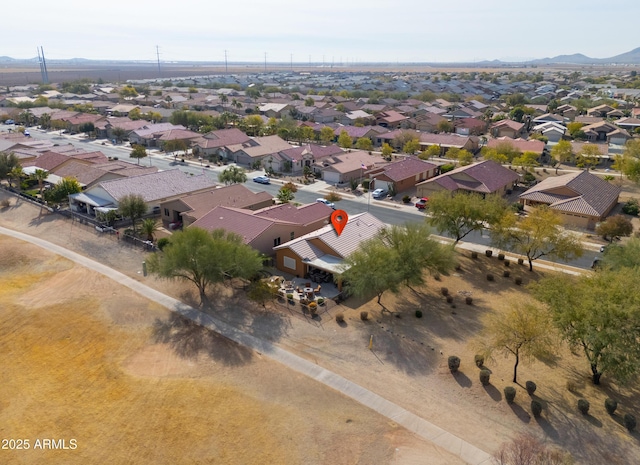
x,y
629,58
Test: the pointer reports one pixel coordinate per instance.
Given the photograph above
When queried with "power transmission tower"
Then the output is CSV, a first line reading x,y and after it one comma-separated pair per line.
x,y
43,65
158,55
226,68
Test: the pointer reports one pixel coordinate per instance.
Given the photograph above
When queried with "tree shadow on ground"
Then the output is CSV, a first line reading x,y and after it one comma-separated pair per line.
x,y
548,429
43,217
521,413
463,380
493,392
190,339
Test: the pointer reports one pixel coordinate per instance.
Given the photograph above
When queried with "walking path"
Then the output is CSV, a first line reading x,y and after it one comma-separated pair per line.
x,y
423,428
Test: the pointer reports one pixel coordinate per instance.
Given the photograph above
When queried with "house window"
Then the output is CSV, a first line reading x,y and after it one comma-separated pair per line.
x,y
292,235
289,262
166,212
276,242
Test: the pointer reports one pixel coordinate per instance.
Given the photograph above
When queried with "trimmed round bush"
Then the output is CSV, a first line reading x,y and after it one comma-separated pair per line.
x,y
454,363
531,387
506,273
485,376
536,408
583,406
507,263
479,360
629,421
510,394
339,317
364,316
163,242
489,277
500,256
474,255
320,301
610,405
418,313
290,296
444,291
468,300
518,280
521,261
488,253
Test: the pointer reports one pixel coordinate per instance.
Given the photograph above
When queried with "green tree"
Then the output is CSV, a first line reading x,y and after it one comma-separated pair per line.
x,y
128,91
254,124
40,176
8,161
205,258
574,128
461,213
327,135
149,228
629,162
132,206
387,150
589,156
232,175
285,195
493,155
444,126
524,331
364,143
16,174
309,102
598,314
62,190
344,140
537,235
118,133
135,114
411,146
508,150
174,146
614,227
562,152
431,152
262,292
138,152
526,160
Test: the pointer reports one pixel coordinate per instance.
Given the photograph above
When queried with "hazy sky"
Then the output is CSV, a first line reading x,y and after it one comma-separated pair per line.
x,y
345,30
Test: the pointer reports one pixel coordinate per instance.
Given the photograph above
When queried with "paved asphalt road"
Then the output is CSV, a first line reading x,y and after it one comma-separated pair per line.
x,y
389,215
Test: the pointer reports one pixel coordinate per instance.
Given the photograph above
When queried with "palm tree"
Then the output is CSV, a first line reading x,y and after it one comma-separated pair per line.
x,y
224,99
149,227
15,173
40,175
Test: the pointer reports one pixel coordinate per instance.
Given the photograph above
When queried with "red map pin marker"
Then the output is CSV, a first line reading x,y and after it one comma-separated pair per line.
x,y
339,220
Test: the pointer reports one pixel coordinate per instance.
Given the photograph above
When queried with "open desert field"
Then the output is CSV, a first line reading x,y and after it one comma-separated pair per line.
x,y
88,362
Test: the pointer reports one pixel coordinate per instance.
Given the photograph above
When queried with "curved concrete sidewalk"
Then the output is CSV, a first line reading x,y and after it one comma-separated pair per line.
x,y
467,452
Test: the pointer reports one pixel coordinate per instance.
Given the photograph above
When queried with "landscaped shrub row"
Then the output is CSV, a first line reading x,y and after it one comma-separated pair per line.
x,y
485,376
510,394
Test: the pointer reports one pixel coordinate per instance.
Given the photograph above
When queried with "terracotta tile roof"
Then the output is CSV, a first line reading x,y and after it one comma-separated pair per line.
x,y
50,160
593,196
303,215
223,137
358,229
236,195
350,161
316,151
241,222
408,168
157,186
508,123
267,146
444,140
486,177
85,174
177,134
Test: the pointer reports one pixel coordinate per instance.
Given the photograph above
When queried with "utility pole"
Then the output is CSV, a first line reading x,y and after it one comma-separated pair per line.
x,y
158,55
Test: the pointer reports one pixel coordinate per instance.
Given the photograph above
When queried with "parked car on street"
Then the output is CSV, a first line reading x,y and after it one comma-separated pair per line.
x,y
262,180
327,203
379,193
422,203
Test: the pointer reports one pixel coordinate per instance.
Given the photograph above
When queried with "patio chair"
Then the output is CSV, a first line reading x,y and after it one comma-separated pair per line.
x,y
317,289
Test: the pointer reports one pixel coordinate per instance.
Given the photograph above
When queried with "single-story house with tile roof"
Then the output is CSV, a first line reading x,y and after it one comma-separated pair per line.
x,y
351,117
582,199
390,119
269,227
257,149
485,177
630,124
324,249
469,126
88,175
507,128
342,168
154,188
104,128
149,132
600,111
403,174
598,131
216,142
446,141
548,118
189,208
299,157
427,122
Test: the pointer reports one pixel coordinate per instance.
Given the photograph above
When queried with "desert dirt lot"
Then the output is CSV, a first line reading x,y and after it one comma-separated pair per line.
x,y
407,364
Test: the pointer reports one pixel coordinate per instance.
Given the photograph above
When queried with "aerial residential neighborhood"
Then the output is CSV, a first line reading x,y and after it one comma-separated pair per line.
x,y
333,260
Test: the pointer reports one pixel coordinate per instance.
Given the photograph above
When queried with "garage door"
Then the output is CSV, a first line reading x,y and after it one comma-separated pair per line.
x,y
331,177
